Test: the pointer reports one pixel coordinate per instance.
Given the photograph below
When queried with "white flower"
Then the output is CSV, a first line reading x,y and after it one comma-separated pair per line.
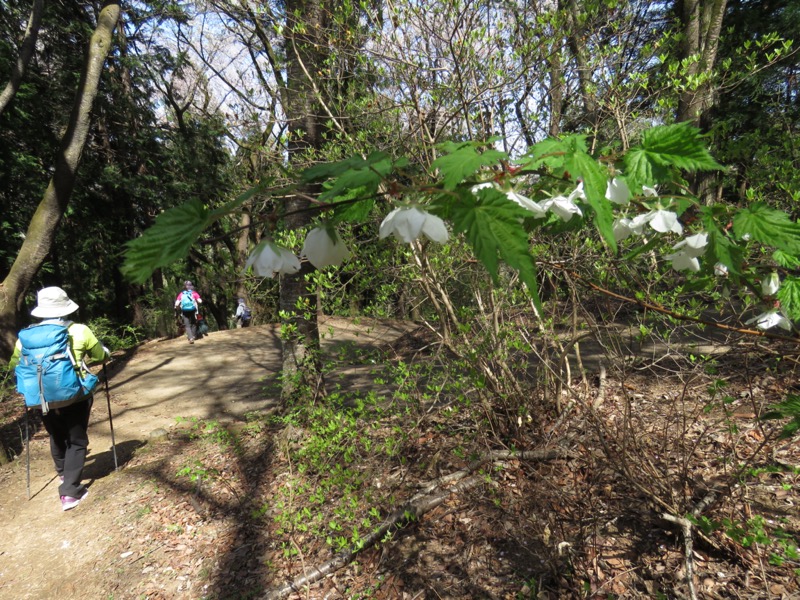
x,y
688,251
481,186
617,191
694,245
770,285
563,207
267,259
527,204
660,220
720,270
648,191
407,223
624,227
577,193
322,250
684,260
769,319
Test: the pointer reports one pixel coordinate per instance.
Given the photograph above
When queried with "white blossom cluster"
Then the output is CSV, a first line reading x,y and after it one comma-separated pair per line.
x,y
323,246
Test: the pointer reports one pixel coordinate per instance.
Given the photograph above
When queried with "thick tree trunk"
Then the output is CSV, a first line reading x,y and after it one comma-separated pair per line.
x,y
44,224
301,344
25,54
702,23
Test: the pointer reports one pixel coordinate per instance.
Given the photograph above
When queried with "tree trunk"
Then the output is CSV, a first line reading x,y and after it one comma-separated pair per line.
x,y
44,224
575,37
241,252
702,22
25,54
297,303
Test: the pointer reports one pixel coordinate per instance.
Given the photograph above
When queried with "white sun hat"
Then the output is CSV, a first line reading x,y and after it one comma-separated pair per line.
x,y
53,302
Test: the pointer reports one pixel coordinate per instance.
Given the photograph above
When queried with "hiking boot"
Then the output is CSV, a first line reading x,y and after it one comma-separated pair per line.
x,y
191,340
68,502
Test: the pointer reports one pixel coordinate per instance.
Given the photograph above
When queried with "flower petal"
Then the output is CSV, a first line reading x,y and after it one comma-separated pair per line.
x,y
666,220
434,229
617,191
623,229
682,261
577,193
322,251
770,285
565,208
289,263
267,259
695,245
769,319
387,226
650,192
527,204
407,223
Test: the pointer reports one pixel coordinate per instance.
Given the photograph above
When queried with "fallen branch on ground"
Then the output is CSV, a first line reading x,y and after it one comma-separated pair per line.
x,y
408,513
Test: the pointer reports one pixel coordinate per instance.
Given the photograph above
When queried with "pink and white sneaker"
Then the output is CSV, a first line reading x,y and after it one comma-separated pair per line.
x,y
68,502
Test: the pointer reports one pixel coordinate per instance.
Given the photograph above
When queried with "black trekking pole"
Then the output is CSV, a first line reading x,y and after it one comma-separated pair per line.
x,y
28,451
110,420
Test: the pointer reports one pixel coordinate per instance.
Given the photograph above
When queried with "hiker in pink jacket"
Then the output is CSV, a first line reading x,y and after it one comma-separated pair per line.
x,y
188,302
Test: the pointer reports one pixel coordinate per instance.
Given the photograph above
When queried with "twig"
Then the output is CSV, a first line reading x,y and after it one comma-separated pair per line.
x,y
408,513
688,544
676,315
541,455
601,388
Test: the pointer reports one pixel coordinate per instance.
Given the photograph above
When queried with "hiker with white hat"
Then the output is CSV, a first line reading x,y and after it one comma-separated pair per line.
x,y
67,421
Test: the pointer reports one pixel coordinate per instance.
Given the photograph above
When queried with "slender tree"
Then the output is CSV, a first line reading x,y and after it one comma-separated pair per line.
x,y
25,54
44,224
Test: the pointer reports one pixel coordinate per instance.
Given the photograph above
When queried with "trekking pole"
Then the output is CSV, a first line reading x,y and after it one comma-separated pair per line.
x,y
28,451
110,420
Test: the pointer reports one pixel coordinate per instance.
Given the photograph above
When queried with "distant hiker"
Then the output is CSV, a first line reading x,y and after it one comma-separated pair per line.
x,y
188,303
243,314
49,363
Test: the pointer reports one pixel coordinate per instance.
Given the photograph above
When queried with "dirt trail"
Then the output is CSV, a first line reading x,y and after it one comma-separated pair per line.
x,y
48,553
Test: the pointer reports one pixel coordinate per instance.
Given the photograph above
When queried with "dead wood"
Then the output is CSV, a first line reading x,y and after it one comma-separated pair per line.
x,y
415,508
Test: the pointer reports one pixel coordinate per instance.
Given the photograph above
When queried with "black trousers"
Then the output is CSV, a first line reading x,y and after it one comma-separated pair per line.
x,y
190,323
69,438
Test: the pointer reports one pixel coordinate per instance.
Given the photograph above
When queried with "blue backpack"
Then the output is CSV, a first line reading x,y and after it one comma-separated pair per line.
x,y
246,314
47,374
187,301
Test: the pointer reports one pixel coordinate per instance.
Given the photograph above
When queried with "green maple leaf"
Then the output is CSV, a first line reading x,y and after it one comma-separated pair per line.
x,y
355,177
722,250
789,296
491,224
768,226
168,240
464,160
788,409
595,180
663,149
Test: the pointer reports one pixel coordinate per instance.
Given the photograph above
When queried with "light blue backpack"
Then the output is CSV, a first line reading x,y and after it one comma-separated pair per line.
x,y
187,301
47,374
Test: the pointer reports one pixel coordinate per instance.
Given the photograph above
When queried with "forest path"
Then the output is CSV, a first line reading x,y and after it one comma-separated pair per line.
x,y
47,553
